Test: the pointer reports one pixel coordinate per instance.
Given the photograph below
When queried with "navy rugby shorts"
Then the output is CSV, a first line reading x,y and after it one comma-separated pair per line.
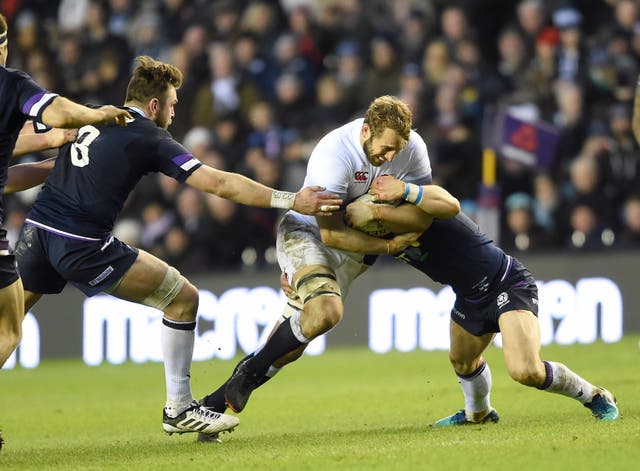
x,y
8,272
47,261
518,291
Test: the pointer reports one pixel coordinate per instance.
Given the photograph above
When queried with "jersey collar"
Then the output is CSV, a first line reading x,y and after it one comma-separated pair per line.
x,y
135,109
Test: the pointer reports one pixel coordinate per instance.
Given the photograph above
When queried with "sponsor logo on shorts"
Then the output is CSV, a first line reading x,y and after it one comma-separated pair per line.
x,y
459,314
361,177
503,298
534,300
101,276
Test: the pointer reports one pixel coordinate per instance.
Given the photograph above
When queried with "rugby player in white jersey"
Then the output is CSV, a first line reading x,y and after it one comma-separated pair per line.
x,y
322,256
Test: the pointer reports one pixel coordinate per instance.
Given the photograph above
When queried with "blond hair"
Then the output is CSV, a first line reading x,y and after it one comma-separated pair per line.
x,y
389,112
151,79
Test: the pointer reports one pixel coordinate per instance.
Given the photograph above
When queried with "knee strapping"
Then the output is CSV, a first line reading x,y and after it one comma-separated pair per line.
x,y
167,291
317,283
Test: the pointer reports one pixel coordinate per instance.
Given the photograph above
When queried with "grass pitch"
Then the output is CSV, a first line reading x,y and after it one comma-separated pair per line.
x,y
348,409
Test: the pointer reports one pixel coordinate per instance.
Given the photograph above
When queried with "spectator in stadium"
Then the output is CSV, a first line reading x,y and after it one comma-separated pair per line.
x,y
383,73
454,26
587,232
331,108
321,258
541,73
630,234
548,209
349,72
531,17
414,34
95,176
572,55
288,60
226,92
23,99
521,231
571,123
512,62
586,188
228,234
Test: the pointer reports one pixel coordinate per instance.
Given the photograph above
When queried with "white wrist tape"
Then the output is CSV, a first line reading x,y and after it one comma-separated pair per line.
x,y
282,199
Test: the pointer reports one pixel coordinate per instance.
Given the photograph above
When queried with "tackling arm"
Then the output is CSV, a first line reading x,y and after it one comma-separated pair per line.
x,y
241,189
64,113
432,199
336,234
24,176
395,219
29,142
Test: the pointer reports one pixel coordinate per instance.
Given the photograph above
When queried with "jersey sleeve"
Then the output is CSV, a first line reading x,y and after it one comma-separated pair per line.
x,y
420,172
176,161
32,98
328,168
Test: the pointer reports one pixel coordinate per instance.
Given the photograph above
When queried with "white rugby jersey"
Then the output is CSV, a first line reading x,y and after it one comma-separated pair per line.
x,y
339,164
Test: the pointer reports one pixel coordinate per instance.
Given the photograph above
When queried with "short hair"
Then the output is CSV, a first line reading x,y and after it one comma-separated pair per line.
x,y
3,28
389,112
151,79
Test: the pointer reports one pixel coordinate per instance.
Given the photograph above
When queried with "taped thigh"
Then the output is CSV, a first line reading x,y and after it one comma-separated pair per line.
x,y
319,282
167,291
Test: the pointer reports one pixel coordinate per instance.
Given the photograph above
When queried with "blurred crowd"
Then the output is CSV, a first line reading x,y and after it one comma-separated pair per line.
x,y
264,80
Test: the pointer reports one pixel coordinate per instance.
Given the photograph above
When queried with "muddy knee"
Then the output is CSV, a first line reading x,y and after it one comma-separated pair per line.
x,y
320,293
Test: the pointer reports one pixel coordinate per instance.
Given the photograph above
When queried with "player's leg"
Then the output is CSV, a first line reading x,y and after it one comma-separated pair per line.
x,y
216,400
474,376
321,311
11,317
521,348
303,256
152,282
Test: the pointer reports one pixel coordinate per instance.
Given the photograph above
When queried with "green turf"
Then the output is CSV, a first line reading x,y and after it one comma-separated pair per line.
x,y
348,409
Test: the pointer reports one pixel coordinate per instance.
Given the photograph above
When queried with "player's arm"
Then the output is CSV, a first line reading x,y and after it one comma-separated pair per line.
x,y
432,199
29,142
24,176
64,113
241,189
635,121
336,234
396,220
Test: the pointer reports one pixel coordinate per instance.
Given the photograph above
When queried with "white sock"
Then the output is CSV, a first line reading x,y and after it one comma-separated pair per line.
x,y
296,327
561,380
476,388
177,350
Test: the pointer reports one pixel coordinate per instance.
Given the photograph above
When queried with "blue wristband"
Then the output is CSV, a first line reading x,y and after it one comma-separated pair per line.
x,y
406,191
419,198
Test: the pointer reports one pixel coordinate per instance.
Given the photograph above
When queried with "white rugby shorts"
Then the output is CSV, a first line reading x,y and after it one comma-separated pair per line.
x,y
299,245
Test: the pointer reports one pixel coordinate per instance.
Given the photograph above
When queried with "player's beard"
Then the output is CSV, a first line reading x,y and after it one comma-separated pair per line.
x,y
375,159
163,120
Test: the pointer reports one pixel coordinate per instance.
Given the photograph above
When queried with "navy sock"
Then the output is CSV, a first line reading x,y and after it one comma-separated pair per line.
x,y
281,342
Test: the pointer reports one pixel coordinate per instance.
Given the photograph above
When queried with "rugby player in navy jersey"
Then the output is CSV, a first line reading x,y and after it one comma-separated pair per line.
x,y
494,293
67,234
23,99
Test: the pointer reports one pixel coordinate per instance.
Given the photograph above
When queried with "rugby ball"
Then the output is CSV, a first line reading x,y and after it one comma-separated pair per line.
x,y
374,228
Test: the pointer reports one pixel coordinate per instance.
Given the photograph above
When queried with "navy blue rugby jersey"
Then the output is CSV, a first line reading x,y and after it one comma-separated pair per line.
x,y
21,99
454,252
93,176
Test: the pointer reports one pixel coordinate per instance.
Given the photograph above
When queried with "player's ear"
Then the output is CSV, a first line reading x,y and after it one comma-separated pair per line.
x,y
154,105
365,131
